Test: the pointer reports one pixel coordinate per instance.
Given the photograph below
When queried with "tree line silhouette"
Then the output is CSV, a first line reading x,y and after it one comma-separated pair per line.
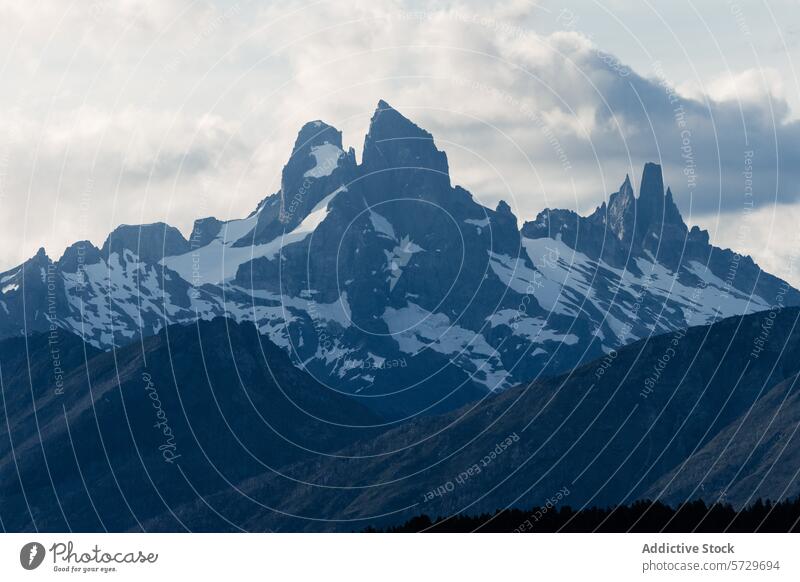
x,y
640,516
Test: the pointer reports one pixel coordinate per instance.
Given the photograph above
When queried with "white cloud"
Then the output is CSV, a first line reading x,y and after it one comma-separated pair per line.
x,y
753,85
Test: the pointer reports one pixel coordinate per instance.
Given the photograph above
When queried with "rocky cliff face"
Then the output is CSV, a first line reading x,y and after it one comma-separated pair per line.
x,y
637,268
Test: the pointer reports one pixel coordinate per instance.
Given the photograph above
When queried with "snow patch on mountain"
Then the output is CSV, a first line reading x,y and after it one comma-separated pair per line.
x,y
723,297
381,225
113,297
326,157
416,329
218,261
398,258
315,217
533,328
10,276
569,282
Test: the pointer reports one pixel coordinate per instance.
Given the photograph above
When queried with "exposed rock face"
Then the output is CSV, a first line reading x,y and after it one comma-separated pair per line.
x,y
627,227
317,166
150,242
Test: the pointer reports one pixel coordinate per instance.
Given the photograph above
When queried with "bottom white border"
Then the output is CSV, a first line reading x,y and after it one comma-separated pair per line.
x,y
403,557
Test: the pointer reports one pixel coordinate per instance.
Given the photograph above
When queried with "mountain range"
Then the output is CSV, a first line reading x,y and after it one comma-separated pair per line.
x,y
371,344
385,281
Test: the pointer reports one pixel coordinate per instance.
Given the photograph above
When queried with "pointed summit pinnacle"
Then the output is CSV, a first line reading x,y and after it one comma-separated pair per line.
x,y
316,133
394,141
652,185
620,210
388,122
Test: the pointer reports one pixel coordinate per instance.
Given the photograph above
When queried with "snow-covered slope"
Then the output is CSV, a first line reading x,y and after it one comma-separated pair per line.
x,y
634,268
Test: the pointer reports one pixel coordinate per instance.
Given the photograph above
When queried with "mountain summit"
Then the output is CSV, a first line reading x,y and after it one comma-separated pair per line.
x,y
395,142
628,226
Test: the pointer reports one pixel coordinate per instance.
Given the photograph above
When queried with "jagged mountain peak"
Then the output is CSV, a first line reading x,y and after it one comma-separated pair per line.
x,y
394,141
656,210
37,264
632,218
699,235
387,123
317,167
150,242
79,253
627,226
620,212
205,230
41,254
385,117
503,208
317,152
652,184
39,259
317,133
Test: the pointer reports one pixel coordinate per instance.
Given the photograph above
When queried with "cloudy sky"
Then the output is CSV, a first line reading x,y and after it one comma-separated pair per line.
x,y
136,111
